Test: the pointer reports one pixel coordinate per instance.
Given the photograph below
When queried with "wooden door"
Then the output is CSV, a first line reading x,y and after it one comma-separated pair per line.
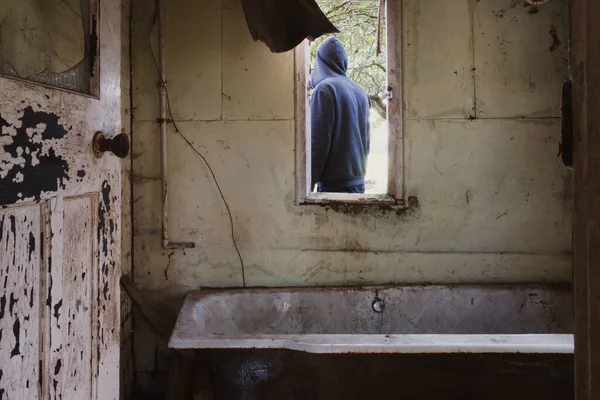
x,y
585,65
60,227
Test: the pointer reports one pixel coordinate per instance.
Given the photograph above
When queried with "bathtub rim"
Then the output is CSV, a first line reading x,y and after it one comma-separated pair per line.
x,y
182,338
385,344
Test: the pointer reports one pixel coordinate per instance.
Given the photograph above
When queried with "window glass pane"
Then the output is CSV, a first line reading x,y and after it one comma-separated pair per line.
x,y
48,41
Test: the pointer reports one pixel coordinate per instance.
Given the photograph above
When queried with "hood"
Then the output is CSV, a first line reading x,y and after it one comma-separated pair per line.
x,y
331,61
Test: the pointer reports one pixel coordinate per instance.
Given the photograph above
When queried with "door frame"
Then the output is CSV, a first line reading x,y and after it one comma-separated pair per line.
x,y
585,71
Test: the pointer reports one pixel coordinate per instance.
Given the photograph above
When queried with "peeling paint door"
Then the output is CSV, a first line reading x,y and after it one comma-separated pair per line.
x,y
60,234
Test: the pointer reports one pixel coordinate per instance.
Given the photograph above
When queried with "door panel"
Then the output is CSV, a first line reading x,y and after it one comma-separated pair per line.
x,y
79,285
20,320
71,201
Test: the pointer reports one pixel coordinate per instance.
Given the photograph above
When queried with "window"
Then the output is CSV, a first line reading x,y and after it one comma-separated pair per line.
x,y
51,43
377,74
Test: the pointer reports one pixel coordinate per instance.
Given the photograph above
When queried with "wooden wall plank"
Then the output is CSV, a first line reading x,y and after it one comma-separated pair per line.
x,y
585,63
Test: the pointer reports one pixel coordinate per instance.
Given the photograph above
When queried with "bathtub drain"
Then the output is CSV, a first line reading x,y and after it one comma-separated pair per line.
x,y
378,305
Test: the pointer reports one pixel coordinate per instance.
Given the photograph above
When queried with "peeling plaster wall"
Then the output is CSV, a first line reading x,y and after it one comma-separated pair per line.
x,y
482,125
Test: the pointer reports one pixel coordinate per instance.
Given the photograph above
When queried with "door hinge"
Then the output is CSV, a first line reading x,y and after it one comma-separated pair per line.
x,y
565,149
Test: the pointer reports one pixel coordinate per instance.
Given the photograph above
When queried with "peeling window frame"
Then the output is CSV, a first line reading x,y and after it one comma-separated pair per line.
x,y
396,191
94,60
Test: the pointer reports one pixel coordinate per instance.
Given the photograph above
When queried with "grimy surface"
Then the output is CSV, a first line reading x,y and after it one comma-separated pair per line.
x,y
60,234
276,375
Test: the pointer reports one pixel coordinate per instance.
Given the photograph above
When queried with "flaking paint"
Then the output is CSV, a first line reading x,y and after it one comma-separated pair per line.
x,y
51,235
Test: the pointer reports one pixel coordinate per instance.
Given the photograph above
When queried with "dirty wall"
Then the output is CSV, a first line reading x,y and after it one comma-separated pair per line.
x,y
481,132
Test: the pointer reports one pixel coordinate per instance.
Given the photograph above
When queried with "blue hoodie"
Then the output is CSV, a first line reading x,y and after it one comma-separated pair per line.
x,y
340,127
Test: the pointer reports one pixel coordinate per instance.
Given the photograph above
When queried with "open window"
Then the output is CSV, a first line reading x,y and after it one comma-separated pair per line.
x,y
368,32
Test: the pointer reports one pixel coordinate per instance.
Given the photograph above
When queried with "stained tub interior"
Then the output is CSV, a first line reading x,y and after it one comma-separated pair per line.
x,y
386,319
248,342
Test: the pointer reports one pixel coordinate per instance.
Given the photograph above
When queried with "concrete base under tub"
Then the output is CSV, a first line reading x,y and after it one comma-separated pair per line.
x,y
292,375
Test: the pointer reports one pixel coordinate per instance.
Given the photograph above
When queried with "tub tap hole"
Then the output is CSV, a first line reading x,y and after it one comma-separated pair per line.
x,y
378,305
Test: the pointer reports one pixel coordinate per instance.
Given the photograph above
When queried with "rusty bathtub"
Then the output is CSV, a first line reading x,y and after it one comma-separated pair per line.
x,y
294,342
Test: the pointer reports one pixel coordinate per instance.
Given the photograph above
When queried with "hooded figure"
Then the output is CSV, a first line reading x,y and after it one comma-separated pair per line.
x,y
340,130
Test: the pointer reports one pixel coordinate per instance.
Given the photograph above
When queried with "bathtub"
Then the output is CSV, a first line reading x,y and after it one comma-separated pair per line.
x,y
410,342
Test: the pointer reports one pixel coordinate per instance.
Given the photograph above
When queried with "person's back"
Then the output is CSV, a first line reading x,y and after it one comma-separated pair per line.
x,y
340,130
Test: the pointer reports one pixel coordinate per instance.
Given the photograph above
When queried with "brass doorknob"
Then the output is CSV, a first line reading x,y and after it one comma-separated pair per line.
x,y
118,145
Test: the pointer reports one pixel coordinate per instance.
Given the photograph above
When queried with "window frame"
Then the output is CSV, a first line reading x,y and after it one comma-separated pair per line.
x,y
396,191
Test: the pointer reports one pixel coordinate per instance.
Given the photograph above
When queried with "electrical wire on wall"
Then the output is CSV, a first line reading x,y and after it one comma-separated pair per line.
x,y
189,143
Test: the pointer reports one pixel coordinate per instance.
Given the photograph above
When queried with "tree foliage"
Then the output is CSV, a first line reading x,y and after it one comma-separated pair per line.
x,y
357,22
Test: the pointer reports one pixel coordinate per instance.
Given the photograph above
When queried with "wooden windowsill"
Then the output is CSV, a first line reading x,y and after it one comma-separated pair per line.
x,y
351,198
